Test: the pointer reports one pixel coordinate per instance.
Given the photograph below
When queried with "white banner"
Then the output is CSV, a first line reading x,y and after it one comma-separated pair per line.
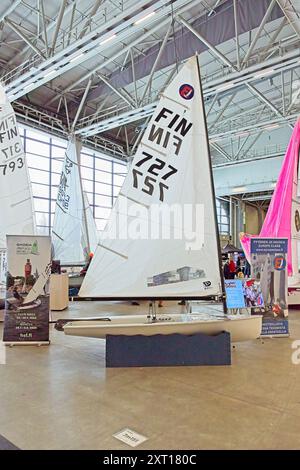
x,y
27,294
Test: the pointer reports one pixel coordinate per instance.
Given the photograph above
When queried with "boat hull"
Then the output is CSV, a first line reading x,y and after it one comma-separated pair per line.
x,y
75,281
241,328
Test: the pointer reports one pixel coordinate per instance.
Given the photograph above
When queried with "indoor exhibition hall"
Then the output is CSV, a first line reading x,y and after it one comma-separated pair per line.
x,y
149,228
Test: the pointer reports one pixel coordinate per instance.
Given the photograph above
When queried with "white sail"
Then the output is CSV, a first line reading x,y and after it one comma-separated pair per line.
x,y
16,208
170,169
71,241
92,232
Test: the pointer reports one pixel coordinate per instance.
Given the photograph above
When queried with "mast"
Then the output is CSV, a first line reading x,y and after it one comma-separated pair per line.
x,y
213,193
78,147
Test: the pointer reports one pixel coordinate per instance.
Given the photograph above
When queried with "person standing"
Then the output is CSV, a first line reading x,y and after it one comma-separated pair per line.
x,y
232,268
27,270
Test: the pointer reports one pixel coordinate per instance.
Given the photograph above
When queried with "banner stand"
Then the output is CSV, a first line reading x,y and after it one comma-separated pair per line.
x,y
26,320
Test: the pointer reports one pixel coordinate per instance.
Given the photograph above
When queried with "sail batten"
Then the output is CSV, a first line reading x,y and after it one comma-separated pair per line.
x,y
168,185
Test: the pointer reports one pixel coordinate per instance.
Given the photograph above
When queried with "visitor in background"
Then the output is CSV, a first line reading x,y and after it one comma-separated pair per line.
x,y
247,269
86,267
226,270
232,268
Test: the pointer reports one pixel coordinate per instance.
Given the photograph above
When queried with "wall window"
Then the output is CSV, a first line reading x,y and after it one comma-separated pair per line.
x,y
45,155
223,216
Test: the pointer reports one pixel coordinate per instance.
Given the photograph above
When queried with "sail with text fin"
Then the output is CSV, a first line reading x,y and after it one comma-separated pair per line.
x,y
70,237
149,248
16,204
283,216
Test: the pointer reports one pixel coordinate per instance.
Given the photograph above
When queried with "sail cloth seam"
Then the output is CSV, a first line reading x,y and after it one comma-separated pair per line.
x,y
133,200
20,202
164,154
112,251
175,101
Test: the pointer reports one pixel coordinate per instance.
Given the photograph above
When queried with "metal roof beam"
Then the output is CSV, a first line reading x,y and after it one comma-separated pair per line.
x,y
259,30
291,11
9,9
20,33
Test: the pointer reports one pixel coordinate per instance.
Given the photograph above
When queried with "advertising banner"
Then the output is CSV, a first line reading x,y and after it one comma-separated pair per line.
x,y
27,289
269,268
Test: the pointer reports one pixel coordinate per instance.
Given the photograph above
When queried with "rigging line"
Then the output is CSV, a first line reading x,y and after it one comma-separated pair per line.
x,y
113,251
56,234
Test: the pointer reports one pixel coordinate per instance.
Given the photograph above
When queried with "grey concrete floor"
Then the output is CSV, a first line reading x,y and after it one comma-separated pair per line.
x,y
62,397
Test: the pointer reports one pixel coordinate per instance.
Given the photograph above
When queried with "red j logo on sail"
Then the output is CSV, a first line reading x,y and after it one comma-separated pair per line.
x,y
279,263
186,91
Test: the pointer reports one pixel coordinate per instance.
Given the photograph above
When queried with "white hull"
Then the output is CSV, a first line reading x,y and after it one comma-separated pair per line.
x,y
241,328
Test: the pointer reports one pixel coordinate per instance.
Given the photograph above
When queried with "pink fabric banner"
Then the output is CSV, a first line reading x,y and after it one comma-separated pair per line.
x,y
278,219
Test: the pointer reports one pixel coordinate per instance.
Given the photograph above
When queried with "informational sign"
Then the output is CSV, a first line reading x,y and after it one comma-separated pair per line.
x,y
269,268
130,437
27,295
234,293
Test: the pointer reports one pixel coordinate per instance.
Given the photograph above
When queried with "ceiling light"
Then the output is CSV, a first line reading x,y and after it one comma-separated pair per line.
x,y
49,73
76,57
272,126
108,39
239,189
263,73
145,17
225,87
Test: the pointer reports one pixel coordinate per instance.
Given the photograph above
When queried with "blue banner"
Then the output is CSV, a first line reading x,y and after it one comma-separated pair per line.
x,y
234,293
269,269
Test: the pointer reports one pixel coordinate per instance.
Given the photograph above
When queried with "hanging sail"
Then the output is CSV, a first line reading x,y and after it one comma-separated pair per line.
x,y
16,208
71,240
92,232
170,171
283,216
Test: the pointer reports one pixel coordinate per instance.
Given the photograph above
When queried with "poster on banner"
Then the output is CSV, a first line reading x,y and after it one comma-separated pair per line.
x,y
234,293
27,289
269,268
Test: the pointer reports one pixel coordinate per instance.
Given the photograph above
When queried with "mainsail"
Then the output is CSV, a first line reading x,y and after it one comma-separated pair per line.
x,y
170,171
283,216
74,232
16,208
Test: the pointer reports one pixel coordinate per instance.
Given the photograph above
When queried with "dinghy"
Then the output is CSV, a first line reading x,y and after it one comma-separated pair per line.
x,y
170,171
74,233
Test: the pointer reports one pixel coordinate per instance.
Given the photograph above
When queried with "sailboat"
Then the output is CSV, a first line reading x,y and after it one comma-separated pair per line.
x,y
74,233
283,216
171,168
16,204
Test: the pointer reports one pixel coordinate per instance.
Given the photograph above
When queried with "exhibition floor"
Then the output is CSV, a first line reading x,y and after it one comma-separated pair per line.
x,y
62,397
